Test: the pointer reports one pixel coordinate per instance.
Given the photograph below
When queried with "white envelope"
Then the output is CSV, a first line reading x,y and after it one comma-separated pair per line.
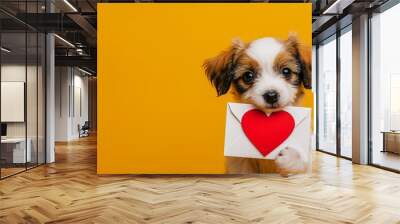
x,y
238,145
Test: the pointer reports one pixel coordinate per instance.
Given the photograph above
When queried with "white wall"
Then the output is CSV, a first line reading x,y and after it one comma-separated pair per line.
x,y
62,81
81,84
9,73
71,87
12,73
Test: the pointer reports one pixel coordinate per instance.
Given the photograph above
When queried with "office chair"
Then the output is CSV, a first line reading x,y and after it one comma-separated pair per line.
x,y
84,130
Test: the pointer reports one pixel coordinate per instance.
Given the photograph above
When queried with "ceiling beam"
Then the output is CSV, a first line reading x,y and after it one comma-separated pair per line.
x,y
84,24
81,61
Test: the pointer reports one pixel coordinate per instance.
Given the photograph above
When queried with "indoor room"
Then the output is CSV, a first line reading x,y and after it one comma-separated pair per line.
x,y
209,111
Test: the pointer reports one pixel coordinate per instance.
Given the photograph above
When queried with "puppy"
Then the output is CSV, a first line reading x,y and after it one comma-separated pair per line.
x,y
270,74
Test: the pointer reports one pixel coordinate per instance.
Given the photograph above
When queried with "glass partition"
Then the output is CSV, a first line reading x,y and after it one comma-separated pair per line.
x,y
14,155
22,78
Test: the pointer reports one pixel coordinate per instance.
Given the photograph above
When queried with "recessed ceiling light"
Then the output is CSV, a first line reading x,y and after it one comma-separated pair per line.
x,y
70,5
64,40
84,71
5,50
337,7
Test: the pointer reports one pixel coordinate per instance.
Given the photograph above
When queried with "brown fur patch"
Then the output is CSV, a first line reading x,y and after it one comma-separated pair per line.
x,y
303,54
219,68
244,64
285,59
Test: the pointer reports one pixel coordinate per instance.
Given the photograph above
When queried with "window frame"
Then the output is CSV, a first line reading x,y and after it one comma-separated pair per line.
x,y
337,34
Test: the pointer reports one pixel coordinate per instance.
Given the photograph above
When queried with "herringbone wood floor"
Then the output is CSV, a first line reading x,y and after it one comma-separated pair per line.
x,y
69,191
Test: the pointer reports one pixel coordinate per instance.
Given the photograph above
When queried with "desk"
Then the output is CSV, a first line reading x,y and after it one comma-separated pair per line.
x,y
391,141
13,150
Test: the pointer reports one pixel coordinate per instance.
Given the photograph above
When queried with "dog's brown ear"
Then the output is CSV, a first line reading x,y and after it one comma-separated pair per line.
x,y
219,69
303,55
305,58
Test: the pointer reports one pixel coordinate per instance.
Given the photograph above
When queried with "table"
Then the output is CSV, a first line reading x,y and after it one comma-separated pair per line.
x,y
15,148
391,141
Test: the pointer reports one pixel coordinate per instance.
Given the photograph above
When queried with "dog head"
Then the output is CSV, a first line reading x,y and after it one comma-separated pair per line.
x,y
267,72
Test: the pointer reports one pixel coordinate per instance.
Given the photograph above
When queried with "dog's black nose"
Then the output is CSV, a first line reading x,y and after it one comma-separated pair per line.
x,y
271,96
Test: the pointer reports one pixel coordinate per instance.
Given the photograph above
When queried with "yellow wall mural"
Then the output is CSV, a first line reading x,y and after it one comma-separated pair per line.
x,y
157,112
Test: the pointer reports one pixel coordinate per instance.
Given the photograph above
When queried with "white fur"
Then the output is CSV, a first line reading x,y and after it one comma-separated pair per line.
x,y
264,51
290,160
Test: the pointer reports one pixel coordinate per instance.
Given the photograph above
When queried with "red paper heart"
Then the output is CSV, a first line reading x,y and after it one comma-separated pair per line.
x,y
267,132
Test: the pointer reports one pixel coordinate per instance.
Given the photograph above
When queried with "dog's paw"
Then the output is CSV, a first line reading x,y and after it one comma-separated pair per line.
x,y
289,161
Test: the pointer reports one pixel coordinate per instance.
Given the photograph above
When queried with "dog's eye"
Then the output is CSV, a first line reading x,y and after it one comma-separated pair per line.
x,y
248,77
286,71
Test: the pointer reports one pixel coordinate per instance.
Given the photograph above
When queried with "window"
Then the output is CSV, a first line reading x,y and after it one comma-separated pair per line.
x,y
327,95
394,117
385,89
346,92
